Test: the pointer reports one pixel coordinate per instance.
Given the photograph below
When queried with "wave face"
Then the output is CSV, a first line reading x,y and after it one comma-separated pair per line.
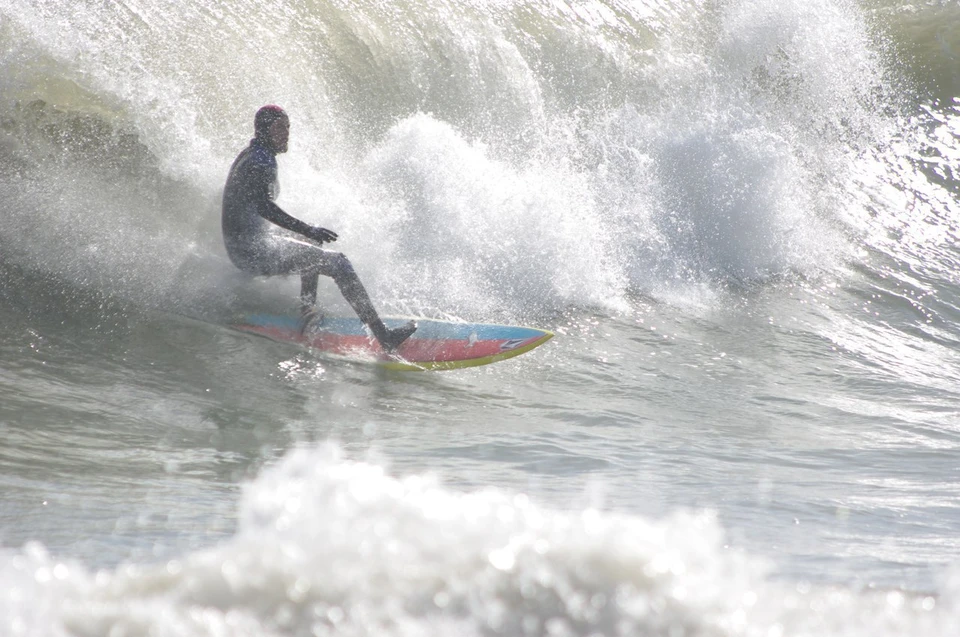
x,y
480,157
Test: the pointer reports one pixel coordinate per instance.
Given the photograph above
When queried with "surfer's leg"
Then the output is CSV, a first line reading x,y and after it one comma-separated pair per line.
x,y
339,268
310,261
308,287
286,255
308,299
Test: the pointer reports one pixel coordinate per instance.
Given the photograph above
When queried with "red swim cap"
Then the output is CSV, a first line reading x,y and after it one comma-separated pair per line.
x,y
266,116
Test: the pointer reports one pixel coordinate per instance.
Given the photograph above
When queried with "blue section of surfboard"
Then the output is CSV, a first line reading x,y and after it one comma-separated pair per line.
x,y
436,345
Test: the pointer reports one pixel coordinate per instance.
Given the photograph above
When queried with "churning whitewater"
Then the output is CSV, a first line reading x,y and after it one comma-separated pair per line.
x,y
739,218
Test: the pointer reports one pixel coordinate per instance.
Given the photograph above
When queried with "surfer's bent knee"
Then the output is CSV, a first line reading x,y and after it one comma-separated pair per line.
x,y
340,264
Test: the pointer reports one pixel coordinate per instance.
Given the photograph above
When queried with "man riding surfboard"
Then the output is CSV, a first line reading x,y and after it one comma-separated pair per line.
x,y
253,244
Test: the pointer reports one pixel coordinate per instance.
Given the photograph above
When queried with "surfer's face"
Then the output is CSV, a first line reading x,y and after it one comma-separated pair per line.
x,y
278,135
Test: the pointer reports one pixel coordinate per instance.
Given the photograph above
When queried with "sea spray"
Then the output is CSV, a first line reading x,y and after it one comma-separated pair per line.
x,y
610,151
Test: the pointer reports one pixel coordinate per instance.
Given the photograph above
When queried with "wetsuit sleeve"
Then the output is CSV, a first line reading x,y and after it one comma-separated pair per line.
x,y
266,208
275,214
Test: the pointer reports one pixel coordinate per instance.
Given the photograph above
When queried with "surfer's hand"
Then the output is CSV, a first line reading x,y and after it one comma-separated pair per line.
x,y
322,235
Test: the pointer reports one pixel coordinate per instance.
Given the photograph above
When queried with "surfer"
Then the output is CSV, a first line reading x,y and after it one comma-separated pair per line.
x,y
249,214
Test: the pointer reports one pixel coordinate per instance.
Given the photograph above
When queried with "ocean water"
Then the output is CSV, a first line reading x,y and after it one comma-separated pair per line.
x,y
739,217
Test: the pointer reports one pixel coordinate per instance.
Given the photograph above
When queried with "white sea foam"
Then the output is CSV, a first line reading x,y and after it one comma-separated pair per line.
x,y
332,546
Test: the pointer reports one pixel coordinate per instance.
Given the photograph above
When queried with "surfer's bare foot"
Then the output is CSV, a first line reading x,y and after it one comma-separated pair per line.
x,y
395,337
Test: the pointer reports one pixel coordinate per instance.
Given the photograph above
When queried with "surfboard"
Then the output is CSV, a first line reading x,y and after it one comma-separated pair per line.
x,y
436,345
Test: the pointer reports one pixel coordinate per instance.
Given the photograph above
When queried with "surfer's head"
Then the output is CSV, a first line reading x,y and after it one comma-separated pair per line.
x,y
272,127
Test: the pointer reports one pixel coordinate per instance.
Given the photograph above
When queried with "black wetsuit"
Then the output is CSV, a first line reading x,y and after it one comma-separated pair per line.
x,y
249,212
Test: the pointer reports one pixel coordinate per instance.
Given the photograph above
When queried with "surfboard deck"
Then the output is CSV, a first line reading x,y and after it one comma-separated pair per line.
x,y
436,345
